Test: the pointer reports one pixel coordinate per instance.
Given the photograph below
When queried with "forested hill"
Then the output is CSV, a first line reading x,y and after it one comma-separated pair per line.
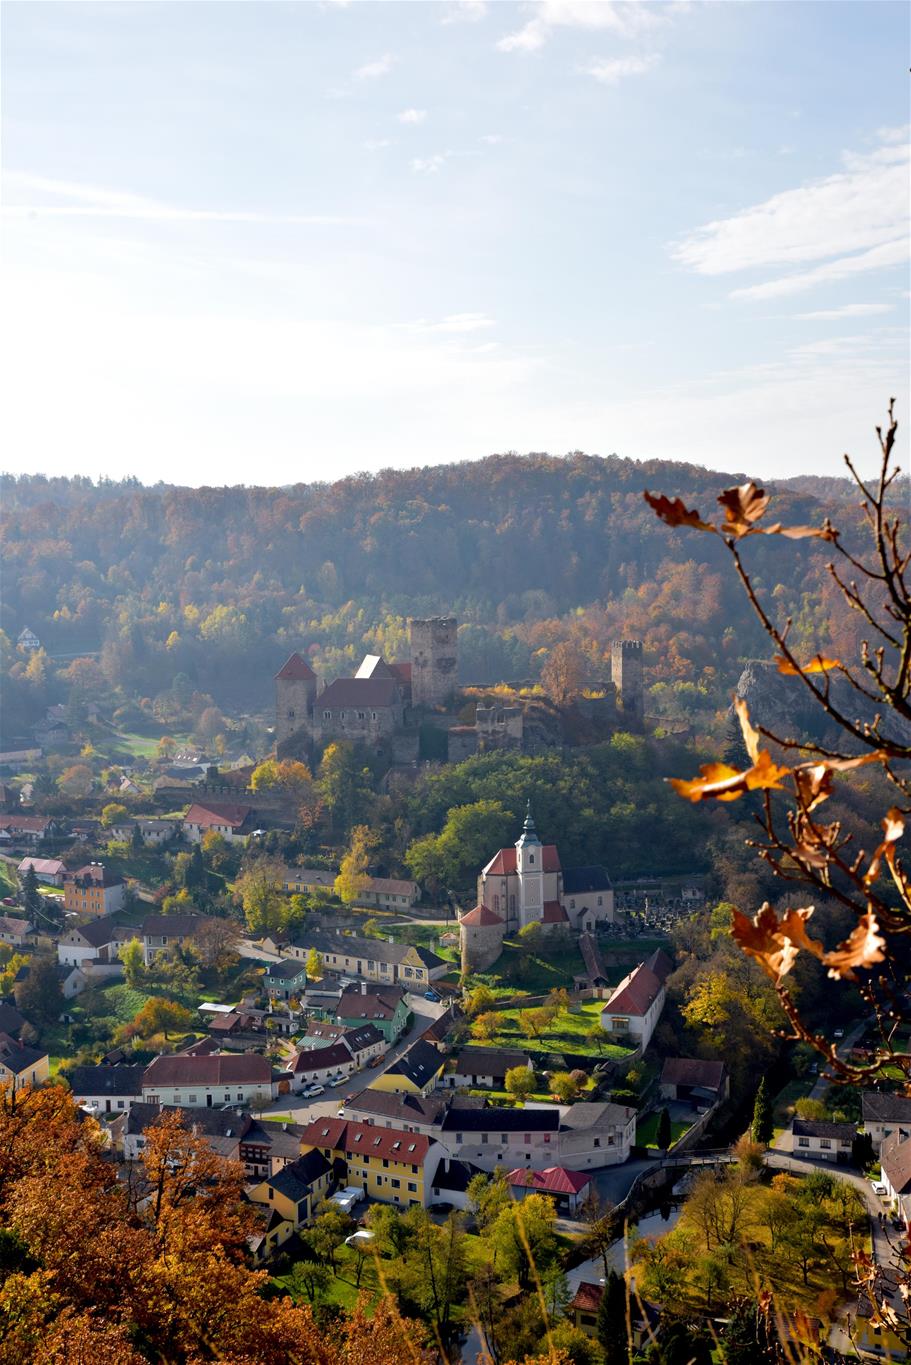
x,y
220,583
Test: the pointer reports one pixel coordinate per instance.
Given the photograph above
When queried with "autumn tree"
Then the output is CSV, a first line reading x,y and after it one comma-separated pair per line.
x,y
564,672
520,1082
259,888
215,944
485,1025
39,996
132,956
352,880
158,1015
314,965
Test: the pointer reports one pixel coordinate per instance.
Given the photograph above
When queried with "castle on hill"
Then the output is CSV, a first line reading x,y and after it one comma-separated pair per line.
x,y
526,884
373,706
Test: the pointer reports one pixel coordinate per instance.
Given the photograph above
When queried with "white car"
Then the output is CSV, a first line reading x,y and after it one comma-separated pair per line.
x,y
878,1187
312,1091
338,1080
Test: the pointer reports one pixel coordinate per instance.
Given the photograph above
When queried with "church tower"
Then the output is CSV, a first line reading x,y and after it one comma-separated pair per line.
x,y
530,869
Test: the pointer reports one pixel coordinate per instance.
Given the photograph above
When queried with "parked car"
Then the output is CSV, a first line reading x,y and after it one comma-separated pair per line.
x,y
433,997
311,1091
878,1187
337,1080
838,1033
375,1061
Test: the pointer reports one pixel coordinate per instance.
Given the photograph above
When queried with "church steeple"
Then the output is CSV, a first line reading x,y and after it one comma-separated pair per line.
x,y
530,868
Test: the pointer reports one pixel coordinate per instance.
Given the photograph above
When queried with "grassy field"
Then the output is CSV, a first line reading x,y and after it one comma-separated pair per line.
x,y
566,1034
647,1131
9,882
538,974
787,1097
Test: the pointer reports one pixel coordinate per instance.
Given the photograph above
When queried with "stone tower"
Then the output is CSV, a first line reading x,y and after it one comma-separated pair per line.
x,y
530,869
434,660
295,693
626,674
481,934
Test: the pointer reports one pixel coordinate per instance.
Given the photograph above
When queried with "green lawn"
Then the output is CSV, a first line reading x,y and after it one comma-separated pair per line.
x,y
566,1034
647,1131
787,1097
537,974
9,882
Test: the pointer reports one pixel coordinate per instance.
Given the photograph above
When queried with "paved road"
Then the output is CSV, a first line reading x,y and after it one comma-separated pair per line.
x,y
302,1110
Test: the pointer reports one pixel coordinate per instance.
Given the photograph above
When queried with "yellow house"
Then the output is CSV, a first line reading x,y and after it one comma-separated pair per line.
x,y
416,1072
386,1163
21,1066
293,1193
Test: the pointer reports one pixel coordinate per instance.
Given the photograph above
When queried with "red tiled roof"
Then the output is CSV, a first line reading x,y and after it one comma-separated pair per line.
x,y
360,692
366,1139
480,915
321,1058
552,1180
297,669
29,824
554,913
502,864
222,1068
635,994
217,814
588,1297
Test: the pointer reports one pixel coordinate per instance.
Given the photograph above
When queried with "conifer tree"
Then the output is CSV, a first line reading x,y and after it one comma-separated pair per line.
x,y
663,1133
762,1127
31,892
610,1324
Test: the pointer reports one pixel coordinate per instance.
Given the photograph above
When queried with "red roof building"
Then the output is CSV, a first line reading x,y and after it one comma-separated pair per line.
x,y
568,1189
297,670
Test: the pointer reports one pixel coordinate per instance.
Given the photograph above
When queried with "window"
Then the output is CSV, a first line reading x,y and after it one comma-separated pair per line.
x,y
458,1137
572,905
327,715
413,1189
396,1184
484,1138
362,715
120,1103
239,1097
528,1139
600,900
531,859
373,715
825,1144
803,1142
597,1142
504,1139
496,905
512,904
191,1099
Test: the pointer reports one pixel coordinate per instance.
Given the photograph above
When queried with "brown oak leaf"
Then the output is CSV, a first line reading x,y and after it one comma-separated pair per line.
x,y
893,829
673,512
774,944
747,729
819,664
742,507
863,947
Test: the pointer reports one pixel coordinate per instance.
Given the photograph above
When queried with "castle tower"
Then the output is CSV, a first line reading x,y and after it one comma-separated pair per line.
x,y
295,693
530,869
626,674
481,934
434,660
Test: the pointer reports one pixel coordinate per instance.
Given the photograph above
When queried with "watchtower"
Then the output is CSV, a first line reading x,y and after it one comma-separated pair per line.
x,y
295,693
434,660
626,674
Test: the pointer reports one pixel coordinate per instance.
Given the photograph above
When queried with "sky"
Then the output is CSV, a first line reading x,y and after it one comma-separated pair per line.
x,y
267,243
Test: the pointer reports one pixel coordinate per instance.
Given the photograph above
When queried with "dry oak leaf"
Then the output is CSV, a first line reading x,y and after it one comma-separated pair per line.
x,y
818,664
774,944
720,782
864,946
893,829
747,728
742,506
673,512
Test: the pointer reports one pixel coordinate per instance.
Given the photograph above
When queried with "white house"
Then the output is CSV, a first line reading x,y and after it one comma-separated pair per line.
x,y
221,1078
106,1089
232,822
582,1136
895,1160
821,1139
47,870
884,1114
634,1008
98,940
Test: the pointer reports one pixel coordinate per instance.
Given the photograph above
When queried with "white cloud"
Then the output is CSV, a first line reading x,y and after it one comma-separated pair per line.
x,y
464,12
428,165
94,201
455,323
847,310
611,70
625,18
371,71
374,144
412,116
862,209
491,139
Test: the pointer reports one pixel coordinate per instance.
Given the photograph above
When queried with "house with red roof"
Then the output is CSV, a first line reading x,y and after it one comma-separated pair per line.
x,y
568,1189
232,822
634,1007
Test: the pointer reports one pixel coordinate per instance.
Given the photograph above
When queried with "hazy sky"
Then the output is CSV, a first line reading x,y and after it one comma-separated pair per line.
x,y
267,242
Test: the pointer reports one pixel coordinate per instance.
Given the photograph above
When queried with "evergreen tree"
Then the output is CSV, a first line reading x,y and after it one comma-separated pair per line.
x,y
749,1337
663,1132
762,1127
31,893
136,841
610,1324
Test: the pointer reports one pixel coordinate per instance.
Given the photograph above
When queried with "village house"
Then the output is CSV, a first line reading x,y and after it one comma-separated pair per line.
x,y
307,879
633,1009
383,1006
895,1166
161,932
482,1066
416,1072
389,893
98,940
26,829
284,980
14,932
91,974
692,1081
374,959
28,640
47,870
883,1114
151,830
388,1164
412,1113
582,1311
222,1078
316,1066
294,1192
568,1189
106,1089
233,822
581,1136
93,890
821,1139
21,1065
11,1021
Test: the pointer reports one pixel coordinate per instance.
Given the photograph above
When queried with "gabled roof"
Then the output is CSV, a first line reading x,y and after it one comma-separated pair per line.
x,y
424,1109
365,1035
577,880
587,1297
98,933
454,1175
379,1002
11,1020
375,692
895,1159
493,1119
636,993
95,874
296,1179
877,1107
374,666
481,914
823,1128
9,924
591,956
393,1144
391,886
554,913
207,1122
297,669
488,1061
552,1180
172,926
503,864
321,1058
286,970
218,1069
693,1072
589,1114
16,1056
660,964
49,867
217,814
106,1080
419,1064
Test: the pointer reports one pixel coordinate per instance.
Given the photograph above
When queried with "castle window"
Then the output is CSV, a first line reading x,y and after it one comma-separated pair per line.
x,y
512,904
362,715
290,715
343,715
496,905
572,905
327,715
600,900
373,715
531,858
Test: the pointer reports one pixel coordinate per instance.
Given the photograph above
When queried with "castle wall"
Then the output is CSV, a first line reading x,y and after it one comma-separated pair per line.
x,y
626,673
358,724
434,659
293,706
481,945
